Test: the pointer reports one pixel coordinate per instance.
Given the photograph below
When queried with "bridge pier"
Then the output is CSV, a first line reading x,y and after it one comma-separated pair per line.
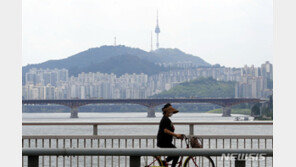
x,y
74,112
151,112
226,111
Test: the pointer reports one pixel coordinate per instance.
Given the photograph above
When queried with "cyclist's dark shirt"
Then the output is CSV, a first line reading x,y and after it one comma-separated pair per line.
x,y
164,139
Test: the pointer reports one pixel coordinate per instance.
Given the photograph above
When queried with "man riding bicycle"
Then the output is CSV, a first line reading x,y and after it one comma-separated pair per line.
x,y
166,132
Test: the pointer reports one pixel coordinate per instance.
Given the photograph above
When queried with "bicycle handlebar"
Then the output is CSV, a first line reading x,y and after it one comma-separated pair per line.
x,y
184,137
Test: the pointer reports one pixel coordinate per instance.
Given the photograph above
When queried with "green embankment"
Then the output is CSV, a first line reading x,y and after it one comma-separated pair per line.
x,y
244,111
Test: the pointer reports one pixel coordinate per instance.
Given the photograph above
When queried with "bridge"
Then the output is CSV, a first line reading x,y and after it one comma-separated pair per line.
x,y
225,103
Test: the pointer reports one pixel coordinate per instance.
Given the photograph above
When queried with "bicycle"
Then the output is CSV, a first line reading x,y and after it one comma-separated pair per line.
x,y
189,160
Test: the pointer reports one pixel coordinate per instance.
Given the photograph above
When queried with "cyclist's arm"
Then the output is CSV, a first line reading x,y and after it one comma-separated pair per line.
x,y
172,133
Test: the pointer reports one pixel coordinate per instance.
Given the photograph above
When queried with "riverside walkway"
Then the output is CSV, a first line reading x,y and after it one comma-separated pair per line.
x,y
132,150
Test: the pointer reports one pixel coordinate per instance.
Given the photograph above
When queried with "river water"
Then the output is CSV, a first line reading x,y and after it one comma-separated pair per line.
x,y
136,130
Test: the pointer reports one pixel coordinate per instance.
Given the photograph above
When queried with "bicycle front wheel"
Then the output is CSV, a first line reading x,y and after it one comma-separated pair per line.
x,y
199,161
157,161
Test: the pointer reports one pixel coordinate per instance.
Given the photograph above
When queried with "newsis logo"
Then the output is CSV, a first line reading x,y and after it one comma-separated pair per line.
x,y
243,157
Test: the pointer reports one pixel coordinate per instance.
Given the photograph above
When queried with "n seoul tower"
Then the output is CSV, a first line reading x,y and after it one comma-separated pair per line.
x,y
157,31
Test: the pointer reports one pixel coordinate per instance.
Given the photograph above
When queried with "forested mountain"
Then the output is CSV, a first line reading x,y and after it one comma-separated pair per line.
x,y
108,59
200,88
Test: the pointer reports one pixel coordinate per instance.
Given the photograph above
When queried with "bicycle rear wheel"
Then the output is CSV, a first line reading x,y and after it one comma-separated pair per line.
x,y
196,161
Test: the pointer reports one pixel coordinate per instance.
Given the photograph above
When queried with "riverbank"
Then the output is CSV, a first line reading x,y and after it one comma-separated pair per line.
x,y
244,111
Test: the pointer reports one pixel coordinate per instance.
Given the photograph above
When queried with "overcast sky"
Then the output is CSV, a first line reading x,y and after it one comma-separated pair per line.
x,y
229,32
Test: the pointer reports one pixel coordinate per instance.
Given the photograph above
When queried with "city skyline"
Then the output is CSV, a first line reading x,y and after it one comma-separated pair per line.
x,y
231,36
251,82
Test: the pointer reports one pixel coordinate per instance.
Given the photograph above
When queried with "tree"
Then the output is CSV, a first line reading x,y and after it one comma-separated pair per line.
x,y
267,109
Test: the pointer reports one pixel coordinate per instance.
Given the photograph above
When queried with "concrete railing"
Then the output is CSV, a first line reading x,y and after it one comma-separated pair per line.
x,y
135,154
212,142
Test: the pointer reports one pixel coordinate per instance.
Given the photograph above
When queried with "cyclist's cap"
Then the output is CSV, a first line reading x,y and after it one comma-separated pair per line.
x,y
171,109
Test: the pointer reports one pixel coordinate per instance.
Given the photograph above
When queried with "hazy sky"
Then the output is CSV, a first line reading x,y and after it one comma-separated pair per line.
x,y
230,32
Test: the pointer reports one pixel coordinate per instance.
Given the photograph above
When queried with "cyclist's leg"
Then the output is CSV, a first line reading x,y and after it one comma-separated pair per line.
x,y
174,158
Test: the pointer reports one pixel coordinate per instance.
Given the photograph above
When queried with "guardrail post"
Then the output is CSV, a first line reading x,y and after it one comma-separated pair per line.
x,y
191,129
135,161
33,161
239,162
95,129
